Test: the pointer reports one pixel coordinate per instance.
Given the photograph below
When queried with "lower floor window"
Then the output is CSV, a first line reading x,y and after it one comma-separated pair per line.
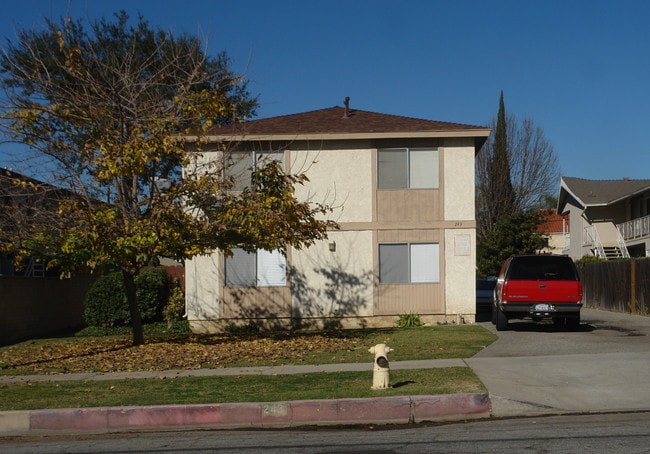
x,y
401,263
256,269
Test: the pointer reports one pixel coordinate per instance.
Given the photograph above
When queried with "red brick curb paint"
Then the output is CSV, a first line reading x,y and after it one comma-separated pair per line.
x,y
382,410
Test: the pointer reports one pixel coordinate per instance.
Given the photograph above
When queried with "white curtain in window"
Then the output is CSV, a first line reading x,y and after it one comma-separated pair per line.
x,y
425,263
423,168
271,269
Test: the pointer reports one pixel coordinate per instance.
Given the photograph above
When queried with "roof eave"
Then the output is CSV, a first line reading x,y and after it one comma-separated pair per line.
x,y
471,133
629,195
562,199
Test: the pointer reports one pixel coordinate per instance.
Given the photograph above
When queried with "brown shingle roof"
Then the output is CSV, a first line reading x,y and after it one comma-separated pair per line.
x,y
357,123
599,192
334,120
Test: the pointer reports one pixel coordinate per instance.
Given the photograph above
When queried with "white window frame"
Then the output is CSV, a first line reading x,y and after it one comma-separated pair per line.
x,y
270,269
422,261
413,169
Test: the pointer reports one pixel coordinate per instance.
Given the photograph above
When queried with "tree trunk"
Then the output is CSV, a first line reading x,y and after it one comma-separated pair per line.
x,y
132,299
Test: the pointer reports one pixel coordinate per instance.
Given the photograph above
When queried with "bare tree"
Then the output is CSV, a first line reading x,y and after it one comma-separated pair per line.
x,y
534,172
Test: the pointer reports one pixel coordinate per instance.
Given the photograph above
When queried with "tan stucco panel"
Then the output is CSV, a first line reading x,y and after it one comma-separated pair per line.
x,y
202,287
458,180
333,283
339,178
460,271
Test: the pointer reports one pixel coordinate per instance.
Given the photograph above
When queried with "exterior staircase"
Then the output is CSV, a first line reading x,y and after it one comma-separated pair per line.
x,y
606,241
613,252
35,269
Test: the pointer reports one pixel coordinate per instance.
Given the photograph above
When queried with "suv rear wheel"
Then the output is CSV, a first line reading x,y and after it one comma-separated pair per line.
x,y
573,323
501,319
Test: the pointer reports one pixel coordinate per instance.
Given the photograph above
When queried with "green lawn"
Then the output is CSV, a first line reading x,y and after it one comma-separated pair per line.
x,y
113,353
242,388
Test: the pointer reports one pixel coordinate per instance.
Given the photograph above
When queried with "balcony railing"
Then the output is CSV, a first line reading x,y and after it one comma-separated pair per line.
x,y
635,229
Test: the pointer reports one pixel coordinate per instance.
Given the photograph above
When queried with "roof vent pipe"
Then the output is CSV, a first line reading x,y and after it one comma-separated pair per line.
x,y
346,103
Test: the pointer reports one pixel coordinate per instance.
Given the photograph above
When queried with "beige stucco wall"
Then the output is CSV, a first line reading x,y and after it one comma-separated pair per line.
x,y
460,242
555,243
460,272
334,283
202,287
340,178
577,224
202,272
458,179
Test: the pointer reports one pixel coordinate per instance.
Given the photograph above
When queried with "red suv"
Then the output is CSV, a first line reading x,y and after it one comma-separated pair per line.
x,y
537,287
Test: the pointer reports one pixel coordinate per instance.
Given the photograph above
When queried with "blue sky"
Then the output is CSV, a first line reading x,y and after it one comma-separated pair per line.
x,y
579,69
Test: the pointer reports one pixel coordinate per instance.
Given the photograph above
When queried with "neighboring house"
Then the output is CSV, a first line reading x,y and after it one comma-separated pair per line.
x,y
24,202
609,218
555,227
403,194
34,302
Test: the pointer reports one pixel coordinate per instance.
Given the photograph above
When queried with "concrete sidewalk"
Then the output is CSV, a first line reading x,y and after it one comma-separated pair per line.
x,y
376,410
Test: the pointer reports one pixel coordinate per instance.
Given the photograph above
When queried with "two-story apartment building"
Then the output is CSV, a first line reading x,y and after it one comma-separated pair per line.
x,y
403,194
609,218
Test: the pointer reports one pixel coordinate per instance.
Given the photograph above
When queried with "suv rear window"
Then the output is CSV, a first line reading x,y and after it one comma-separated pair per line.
x,y
540,267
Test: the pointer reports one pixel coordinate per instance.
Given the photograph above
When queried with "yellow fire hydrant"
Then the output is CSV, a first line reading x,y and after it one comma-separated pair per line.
x,y
381,370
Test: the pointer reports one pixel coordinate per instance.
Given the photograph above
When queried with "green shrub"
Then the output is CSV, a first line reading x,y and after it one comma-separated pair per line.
x,y
175,307
152,289
588,259
408,321
106,304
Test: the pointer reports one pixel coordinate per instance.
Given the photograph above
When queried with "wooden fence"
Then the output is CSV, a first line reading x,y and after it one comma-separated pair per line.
x,y
617,285
31,307
37,307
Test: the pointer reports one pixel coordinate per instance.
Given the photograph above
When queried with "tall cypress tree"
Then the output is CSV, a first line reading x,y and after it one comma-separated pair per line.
x,y
507,228
500,185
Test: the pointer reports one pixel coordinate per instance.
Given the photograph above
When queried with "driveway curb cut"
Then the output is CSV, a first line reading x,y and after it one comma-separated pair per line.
x,y
381,410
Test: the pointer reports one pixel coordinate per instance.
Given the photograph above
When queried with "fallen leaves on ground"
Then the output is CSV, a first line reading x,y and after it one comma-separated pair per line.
x,y
79,355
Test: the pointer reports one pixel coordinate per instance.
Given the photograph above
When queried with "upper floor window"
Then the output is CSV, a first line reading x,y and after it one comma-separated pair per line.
x,y
256,269
240,165
407,168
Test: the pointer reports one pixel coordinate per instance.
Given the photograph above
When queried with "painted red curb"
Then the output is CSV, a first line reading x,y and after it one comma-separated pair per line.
x,y
386,410
450,407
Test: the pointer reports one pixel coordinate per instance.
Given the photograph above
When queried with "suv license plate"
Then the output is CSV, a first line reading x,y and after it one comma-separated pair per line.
x,y
543,308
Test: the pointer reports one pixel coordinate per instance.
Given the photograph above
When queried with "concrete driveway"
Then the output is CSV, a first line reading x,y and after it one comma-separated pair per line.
x,y
539,369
